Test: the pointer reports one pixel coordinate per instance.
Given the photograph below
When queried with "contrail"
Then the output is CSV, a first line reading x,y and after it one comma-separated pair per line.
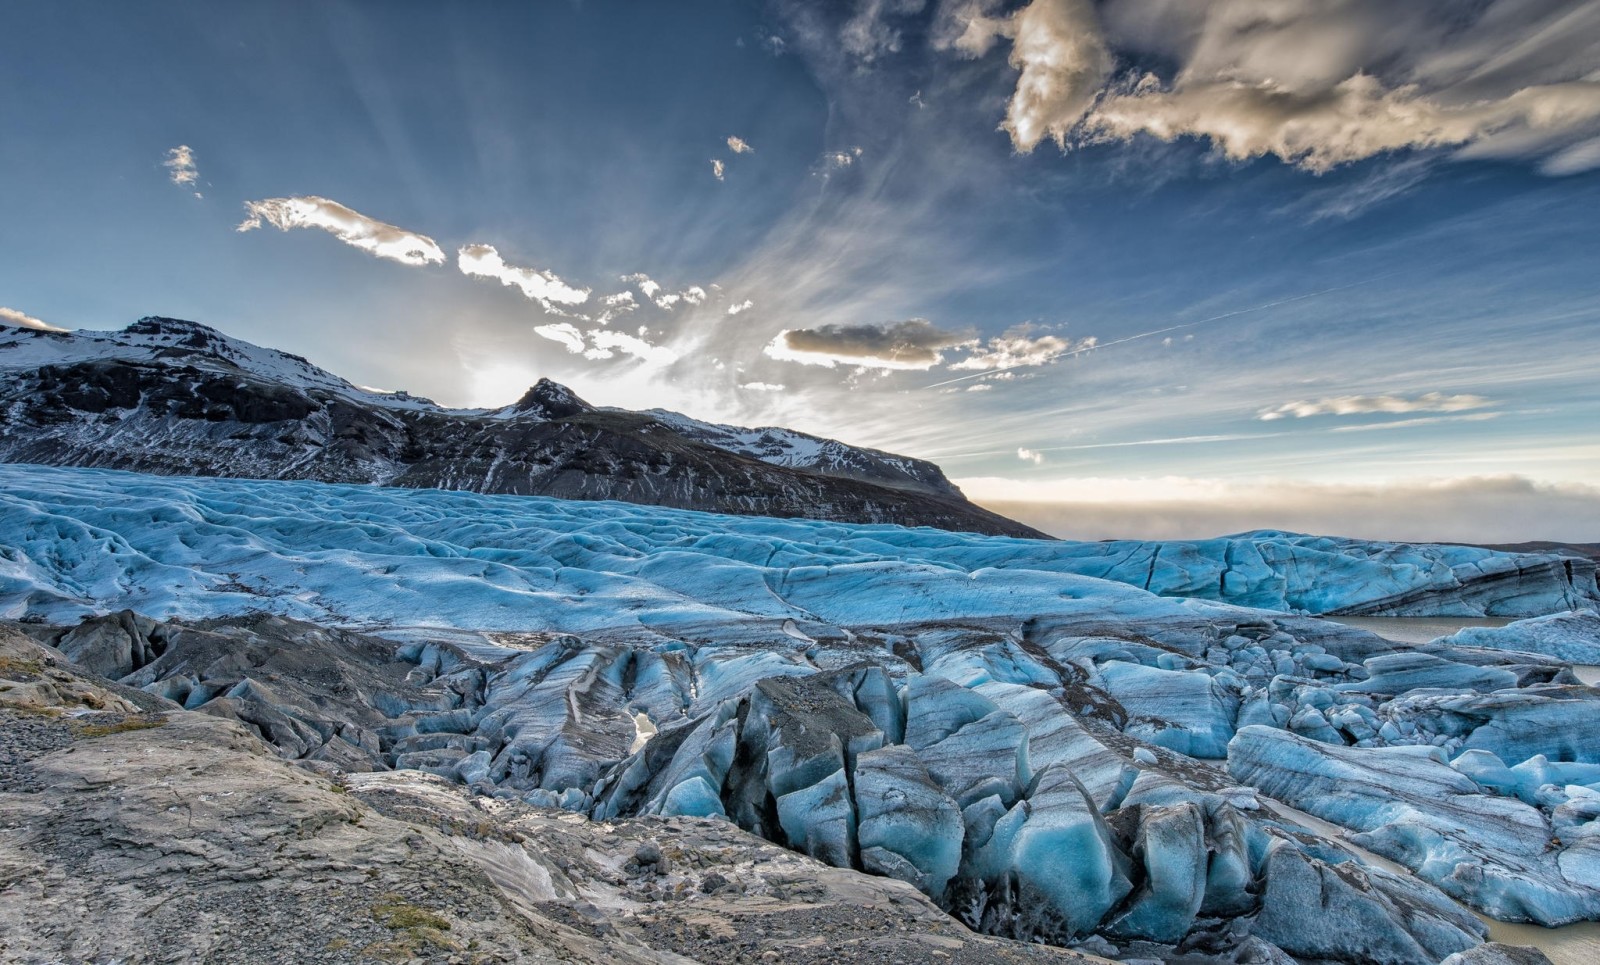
x,y
1163,331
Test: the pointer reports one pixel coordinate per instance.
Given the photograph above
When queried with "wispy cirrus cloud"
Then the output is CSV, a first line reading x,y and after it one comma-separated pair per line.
x,y
543,287
1432,420
1345,405
914,344
355,229
11,316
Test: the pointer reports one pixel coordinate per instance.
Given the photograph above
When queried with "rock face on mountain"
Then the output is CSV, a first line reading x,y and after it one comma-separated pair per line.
x,y
175,397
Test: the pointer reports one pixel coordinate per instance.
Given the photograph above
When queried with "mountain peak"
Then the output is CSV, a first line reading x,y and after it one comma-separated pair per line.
x,y
167,395
161,325
551,400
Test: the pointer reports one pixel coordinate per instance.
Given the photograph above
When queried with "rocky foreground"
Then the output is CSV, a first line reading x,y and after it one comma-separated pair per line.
x,y
134,831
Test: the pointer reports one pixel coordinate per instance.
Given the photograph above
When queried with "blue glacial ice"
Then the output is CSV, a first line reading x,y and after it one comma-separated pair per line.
x,y
1051,739
1573,637
192,547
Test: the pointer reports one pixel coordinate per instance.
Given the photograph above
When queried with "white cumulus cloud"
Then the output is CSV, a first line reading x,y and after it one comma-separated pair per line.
x,y
544,287
1015,349
833,161
351,227
665,300
717,169
181,167
1358,118
1315,83
605,343
763,386
914,344
563,332
739,145
1062,61
607,340
1029,455
646,284
743,306
614,305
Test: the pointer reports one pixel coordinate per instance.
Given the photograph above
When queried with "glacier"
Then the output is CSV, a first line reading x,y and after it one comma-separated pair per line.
x,y
200,547
1049,739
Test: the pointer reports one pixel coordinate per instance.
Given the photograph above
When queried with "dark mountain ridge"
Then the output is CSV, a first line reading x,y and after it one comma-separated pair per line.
x,y
175,397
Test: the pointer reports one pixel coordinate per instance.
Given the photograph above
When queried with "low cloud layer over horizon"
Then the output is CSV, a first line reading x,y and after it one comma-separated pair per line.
x,y
1479,510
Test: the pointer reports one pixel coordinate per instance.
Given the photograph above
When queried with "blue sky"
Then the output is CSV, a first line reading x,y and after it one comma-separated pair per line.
x,y
1316,264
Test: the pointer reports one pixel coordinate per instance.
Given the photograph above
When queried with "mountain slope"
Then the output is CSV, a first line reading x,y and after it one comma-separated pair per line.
x,y
178,398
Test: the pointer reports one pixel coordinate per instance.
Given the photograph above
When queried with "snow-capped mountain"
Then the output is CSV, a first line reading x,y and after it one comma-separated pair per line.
x,y
176,397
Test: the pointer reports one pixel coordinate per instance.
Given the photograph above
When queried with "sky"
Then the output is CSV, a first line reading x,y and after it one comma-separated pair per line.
x,y
1129,268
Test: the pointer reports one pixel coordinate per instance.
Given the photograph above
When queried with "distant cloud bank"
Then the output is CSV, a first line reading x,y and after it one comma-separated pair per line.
x,y
1492,509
